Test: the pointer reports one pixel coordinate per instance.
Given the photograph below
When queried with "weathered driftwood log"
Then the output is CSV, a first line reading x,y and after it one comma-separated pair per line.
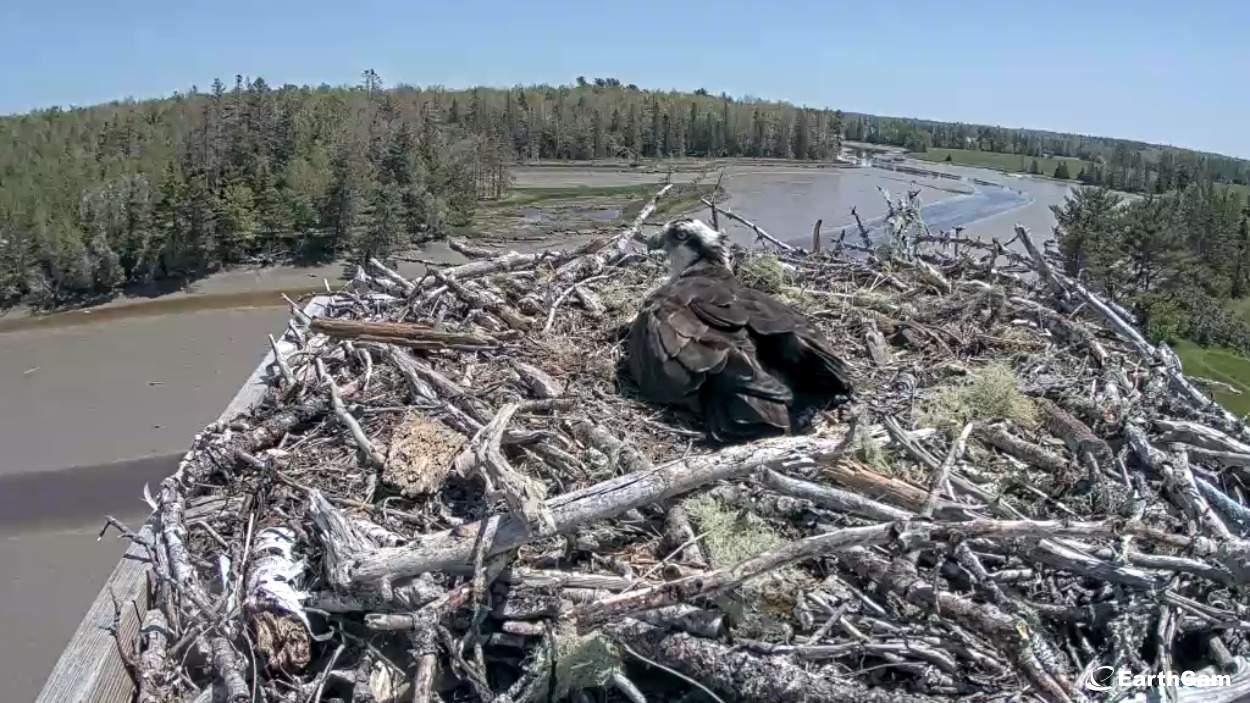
x,y
1042,265
618,452
1063,327
404,284
229,672
275,601
343,541
1199,435
369,455
998,437
539,382
1179,481
452,549
280,360
1010,634
152,663
680,539
477,299
863,480
741,676
297,311
290,418
173,538
523,496
404,334
843,501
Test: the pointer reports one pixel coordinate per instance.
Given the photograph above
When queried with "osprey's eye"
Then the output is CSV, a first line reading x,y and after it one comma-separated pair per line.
x,y
680,234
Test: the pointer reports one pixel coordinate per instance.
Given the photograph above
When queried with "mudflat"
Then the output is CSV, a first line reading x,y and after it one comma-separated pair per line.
x,y
140,386
92,397
51,575
53,563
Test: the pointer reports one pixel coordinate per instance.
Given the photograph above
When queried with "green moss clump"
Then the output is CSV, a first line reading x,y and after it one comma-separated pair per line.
x,y
763,272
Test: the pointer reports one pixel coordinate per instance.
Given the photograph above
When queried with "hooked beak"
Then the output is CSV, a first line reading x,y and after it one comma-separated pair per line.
x,y
655,241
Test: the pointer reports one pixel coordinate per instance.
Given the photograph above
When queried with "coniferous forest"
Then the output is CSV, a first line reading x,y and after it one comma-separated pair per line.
x,y
135,192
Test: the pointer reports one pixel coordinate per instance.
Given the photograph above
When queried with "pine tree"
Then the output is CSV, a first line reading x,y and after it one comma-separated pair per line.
x,y
386,225
730,141
371,82
655,139
1241,266
342,209
599,141
837,123
236,221
696,143
675,132
633,131
758,131
801,145
1087,230
781,141
1061,170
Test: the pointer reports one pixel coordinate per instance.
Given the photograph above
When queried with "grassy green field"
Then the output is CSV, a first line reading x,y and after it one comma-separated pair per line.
x,y
530,196
1014,163
683,198
1219,365
1241,191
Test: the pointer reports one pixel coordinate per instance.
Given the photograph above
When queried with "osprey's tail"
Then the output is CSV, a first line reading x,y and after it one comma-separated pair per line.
x,y
744,402
808,366
819,371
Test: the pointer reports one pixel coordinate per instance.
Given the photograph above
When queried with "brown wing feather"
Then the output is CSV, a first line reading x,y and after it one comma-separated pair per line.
x,y
690,345
787,340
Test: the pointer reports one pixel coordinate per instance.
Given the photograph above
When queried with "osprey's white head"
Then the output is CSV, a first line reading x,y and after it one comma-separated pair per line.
x,y
688,242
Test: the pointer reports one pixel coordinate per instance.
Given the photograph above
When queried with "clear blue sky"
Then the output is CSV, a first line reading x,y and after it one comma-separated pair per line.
x,y
1172,72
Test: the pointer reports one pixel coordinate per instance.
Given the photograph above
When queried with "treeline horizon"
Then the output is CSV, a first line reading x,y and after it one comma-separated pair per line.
x,y
1174,259
135,192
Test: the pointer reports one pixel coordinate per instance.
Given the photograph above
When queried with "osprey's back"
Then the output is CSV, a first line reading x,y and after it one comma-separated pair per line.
x,y
745,361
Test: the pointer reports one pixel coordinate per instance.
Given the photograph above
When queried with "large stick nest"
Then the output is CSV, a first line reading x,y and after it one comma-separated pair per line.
x,y
473,504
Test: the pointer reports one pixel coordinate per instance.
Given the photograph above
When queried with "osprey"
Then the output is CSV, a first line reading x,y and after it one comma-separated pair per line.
x,y
745,361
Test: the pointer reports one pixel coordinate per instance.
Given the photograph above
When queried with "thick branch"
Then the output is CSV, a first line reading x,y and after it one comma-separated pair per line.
x,y
453,549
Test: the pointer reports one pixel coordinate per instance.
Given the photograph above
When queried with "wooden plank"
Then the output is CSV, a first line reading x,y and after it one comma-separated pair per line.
x,y
90,668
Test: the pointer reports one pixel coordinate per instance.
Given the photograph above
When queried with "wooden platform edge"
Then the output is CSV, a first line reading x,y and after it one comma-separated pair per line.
x,y
91,668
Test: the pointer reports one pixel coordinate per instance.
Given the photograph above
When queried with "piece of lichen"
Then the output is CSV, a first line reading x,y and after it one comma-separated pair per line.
x,y
730,536
583,661
991,393
759,607
872,453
